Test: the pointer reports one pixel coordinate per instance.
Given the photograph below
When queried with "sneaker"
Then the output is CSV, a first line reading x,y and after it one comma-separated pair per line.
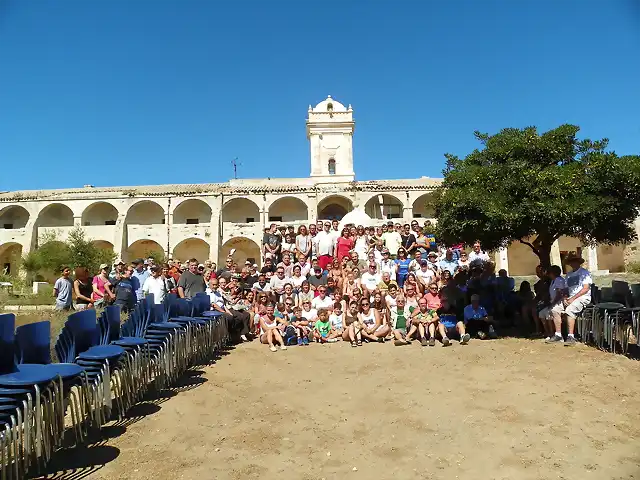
x,y
424,342
492,332
305,341
570,342
243,338
283,347
446,342
555,339
546,339
482,335
299,341
381,339
332,340
465,339
273,349
399,343
432,342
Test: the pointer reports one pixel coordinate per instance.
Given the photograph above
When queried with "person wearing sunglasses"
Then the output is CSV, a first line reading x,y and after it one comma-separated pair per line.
x,y
370,318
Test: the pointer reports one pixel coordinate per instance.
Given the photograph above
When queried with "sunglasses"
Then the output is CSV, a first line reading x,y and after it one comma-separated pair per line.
x,y
365,304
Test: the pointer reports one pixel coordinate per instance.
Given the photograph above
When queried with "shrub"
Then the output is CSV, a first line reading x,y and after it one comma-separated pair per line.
x,y
632,267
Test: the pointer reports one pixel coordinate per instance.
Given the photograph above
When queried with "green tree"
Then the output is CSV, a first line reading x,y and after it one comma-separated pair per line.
x,y
84,253
531,188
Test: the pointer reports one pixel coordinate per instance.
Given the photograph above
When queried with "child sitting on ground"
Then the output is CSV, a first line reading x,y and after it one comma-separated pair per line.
x,y
301,325
400,316
337,320
322,329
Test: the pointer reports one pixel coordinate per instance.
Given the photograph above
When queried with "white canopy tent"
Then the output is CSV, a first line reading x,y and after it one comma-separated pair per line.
x,y
357,217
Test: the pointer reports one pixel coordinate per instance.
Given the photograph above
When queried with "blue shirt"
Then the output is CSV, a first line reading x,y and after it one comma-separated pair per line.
x,y
471,314
450,265
137,279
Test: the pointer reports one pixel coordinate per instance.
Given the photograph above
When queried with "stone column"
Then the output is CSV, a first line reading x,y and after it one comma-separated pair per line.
x,y
77,221
407,214
312,206
592,258
216,228
502,259
168,221
30,236
119,236
555,254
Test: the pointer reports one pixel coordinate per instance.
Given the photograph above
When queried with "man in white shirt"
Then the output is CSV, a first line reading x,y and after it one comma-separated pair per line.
x,y
325,244
477,255
278,281
370,279
425,275
388,265
392,240
155,285
579,283
322,300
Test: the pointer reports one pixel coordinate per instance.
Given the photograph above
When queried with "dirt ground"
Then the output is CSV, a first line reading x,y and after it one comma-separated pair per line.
x,y
505,409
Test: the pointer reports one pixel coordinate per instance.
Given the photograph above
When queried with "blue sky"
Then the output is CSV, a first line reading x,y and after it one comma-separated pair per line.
x,y
150,92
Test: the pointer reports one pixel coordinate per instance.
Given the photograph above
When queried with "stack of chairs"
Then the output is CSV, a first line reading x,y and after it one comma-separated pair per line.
x,y
103,368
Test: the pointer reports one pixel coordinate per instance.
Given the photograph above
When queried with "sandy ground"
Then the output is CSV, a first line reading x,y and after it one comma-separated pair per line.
x,y
490,410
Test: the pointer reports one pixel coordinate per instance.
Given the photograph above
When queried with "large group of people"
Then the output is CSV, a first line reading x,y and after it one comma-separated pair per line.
x,y
358,285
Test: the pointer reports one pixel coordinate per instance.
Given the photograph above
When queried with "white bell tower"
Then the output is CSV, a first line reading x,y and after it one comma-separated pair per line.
x,y
330,132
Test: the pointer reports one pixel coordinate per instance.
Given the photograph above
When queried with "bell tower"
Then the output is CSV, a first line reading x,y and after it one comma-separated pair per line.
x,y
330,128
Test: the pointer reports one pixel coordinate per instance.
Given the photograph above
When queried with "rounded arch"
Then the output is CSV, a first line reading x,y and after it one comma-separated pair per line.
x,y
10,257
55,215
13,216
103,244
192,248
246,249
383,206
145,212
334,207
99,213
192,211
142,249
288,209
423,206
240,210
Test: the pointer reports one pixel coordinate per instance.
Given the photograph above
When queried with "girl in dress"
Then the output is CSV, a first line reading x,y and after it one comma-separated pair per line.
x,y
402,267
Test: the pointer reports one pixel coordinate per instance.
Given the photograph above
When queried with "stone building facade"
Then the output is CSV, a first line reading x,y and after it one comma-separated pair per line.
x,y
207,220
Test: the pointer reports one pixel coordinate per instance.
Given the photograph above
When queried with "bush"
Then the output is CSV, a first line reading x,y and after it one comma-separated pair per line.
x,y
632,267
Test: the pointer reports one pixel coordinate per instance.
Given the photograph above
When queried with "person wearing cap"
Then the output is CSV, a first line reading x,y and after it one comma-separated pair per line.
x,y
124,289
477,320
116,273
140,275
387,264
102,293
579,283
426,276
432,260
392,240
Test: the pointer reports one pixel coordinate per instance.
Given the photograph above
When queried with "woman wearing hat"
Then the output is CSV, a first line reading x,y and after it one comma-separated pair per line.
x,y
102,293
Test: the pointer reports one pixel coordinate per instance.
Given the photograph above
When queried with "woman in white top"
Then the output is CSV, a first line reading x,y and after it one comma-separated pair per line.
x,y
464,260
362,242
303,241
269,333
288,245
370,318
297,279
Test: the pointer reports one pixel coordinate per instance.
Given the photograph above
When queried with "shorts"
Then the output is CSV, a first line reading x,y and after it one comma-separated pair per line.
x,y
401,331
575,308
449,325
545,313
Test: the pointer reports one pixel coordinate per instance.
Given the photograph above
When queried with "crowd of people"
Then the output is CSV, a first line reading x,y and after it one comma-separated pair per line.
x,y
359,285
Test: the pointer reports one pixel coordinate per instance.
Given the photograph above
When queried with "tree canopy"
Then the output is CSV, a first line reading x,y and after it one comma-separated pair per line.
x,y
534,188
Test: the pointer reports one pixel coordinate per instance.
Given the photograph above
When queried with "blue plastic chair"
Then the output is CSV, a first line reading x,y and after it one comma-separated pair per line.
x,y
33,345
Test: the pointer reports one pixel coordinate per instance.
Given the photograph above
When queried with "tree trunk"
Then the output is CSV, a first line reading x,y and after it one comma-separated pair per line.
x,y
544,254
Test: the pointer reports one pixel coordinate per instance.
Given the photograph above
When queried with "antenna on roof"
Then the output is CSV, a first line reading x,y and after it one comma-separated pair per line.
x,y
235,164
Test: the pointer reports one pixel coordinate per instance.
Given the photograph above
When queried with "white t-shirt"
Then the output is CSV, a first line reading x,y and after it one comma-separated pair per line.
x,y
575,281
390,301
478,256
319,303
297,281
369,281
390,267
311,315
156,287
426,277
258,288
336,321
324,243
215,297
277,284
392,241
557,284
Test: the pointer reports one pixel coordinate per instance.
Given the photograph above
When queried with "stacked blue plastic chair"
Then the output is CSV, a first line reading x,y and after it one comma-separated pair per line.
x,y
33,345
218,328
184,312
100,360
32,415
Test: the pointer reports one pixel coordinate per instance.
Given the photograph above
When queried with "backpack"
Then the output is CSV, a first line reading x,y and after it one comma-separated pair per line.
x,y
290,335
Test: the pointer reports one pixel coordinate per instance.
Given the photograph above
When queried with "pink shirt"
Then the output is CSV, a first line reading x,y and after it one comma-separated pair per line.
x,y
433,301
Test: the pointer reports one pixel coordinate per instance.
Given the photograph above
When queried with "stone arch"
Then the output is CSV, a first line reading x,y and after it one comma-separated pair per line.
x,y
55,215
10,257
99,213
192,211
383,206
142,249
423,207
13,216
145,212
103,244
246,249
288,209
240,210
192,248
334,207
